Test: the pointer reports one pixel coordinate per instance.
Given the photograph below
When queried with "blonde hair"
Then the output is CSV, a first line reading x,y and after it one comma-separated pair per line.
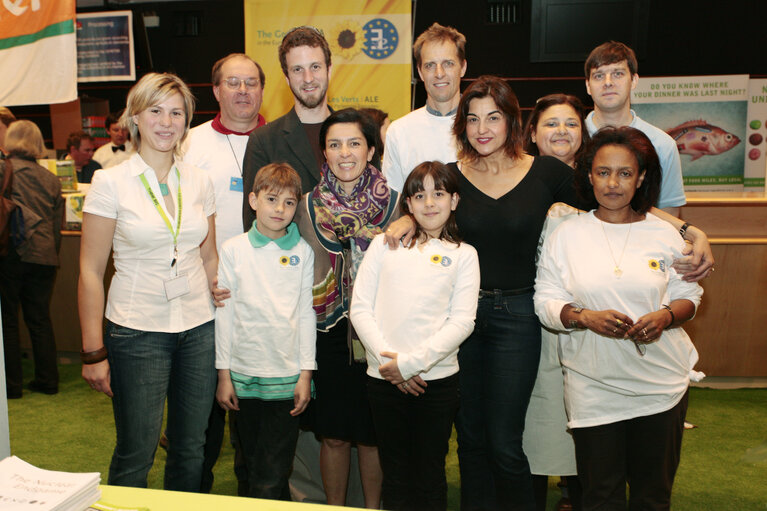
x,y
151,90
23,139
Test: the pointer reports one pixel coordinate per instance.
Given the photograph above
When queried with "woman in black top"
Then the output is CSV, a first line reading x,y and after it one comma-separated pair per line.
x,y
505,194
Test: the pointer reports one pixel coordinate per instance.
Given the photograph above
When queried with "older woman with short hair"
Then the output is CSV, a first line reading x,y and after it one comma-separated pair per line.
x,y
28,270
158,216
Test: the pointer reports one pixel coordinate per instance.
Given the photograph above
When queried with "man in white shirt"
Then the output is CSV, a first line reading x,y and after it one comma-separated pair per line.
x,y
426,134
611,75
119,148
217,147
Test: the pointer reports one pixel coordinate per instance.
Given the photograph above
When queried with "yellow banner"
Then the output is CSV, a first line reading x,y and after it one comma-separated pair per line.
x,y
370,41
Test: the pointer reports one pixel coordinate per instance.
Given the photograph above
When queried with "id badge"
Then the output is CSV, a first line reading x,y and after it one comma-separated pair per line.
x,y
235,184
176,286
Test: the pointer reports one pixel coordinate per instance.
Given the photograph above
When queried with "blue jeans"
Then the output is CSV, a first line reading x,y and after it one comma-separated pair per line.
x,y
499,363
147,367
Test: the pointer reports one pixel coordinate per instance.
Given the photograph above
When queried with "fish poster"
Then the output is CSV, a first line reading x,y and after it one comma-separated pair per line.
x,y
756,133
707,117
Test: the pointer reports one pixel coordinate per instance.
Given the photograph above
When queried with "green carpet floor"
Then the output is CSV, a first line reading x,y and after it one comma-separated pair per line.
x,y
724,459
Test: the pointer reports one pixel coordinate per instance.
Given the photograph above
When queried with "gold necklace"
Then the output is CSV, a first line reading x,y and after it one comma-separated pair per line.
x,y
617,268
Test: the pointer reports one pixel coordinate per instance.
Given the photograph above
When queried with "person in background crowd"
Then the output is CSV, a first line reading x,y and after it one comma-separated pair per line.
x,y
28,271
339,218
159,340
6,118
425,134
218,147
80,150
627,364
119,148
554,128
611,74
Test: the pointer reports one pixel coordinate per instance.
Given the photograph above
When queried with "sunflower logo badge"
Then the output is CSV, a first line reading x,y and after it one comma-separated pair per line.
x,y
347,39
436,259
656,265
284,260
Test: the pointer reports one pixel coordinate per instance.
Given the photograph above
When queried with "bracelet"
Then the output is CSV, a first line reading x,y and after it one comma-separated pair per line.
x,y
673,318
94,357
683,229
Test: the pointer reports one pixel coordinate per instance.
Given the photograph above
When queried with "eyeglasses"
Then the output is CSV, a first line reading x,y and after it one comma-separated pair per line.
x,y
641,348
234,83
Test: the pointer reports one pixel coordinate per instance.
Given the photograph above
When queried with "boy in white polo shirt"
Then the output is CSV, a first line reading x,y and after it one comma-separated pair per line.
x,y
266,332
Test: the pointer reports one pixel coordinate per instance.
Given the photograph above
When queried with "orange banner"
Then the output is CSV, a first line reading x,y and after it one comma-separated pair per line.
x,y
25,17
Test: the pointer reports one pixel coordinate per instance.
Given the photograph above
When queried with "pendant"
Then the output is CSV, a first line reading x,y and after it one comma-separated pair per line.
x,y
618,272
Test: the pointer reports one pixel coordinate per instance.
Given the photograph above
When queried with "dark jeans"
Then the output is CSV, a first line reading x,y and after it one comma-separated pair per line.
x,y
214,438
499,364
643,452
146,368
31,287
413,435
268,436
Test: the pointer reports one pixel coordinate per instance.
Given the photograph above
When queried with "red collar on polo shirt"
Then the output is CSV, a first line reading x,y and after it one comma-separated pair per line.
x,y
217,126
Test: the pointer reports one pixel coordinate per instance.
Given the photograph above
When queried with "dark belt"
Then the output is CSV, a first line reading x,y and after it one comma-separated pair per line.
x,y
484,293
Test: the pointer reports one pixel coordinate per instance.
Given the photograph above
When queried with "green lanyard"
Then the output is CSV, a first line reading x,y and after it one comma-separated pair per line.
x,y
165,218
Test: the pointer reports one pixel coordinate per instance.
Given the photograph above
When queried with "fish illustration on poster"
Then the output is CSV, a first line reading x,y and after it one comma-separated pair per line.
x,y
706,117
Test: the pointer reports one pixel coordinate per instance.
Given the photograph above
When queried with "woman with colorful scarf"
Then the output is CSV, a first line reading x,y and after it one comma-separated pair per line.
x,y
349,206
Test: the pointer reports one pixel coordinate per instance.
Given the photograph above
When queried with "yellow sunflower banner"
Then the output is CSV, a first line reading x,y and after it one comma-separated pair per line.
x,y
370,40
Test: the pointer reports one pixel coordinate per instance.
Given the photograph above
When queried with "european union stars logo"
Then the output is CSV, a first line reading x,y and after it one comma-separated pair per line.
x,y
381,38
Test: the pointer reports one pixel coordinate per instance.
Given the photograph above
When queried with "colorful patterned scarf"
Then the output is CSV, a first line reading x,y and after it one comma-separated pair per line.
x,y
352,218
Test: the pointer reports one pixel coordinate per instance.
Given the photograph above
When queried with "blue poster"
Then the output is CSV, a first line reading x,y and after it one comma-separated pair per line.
x,y
105,47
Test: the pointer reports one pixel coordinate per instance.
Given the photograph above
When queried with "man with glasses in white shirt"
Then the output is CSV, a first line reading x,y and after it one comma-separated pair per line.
x,y
218,147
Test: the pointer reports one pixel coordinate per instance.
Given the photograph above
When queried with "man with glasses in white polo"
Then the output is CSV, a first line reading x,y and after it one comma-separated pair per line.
x,y
218,147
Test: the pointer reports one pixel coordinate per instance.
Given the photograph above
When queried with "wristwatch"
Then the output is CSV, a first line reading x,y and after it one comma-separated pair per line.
x,y
577,309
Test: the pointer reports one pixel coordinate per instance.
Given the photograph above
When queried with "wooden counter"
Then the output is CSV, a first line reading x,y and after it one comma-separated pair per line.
x,y
730,329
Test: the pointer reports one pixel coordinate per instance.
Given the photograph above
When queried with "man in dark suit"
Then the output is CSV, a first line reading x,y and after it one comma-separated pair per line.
x,y
294,137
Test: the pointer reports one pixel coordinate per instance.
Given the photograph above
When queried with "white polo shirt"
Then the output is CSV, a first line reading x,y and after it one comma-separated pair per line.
x,y
143,245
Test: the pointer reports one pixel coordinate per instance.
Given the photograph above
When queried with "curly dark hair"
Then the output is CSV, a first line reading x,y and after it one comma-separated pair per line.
x,y
646,196
501,93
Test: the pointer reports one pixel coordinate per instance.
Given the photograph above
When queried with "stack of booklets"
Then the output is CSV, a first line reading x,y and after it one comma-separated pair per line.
x,y
26,487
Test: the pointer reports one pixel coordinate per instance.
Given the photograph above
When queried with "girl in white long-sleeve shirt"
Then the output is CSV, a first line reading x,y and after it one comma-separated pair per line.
x,y
412,307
